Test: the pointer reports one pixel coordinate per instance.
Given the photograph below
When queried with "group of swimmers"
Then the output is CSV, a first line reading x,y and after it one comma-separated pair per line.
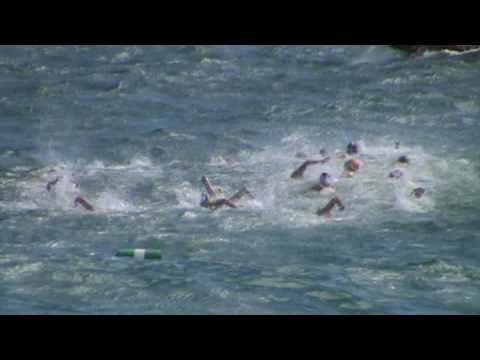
x,y
213,198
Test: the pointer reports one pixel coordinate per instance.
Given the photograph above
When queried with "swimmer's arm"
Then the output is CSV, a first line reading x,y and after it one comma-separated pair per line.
x,y
326,211
208,186
52,183
301,170
340,204
223,202
230,204
85,204
316,187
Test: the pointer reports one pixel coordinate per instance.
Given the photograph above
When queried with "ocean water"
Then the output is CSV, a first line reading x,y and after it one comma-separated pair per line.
x,y
137,126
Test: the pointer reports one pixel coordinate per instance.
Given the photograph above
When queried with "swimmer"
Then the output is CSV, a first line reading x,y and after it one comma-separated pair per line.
x,y
54,182
324,182
326,211
404,160
85,204
396,174
418,192
78,200
210,199
352,149
351,168
397,145
298,174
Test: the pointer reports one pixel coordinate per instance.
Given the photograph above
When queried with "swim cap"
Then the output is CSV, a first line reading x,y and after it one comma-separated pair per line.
x,y
352,148
325,180
352,165
403,159
204,200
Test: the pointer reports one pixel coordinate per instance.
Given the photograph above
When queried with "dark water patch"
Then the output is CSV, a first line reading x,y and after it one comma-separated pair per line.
x,y
117,70
158,154
98,84
19,88
415,227
159,133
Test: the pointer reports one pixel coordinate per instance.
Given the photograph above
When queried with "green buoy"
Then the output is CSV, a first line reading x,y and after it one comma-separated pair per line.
x,y
141,254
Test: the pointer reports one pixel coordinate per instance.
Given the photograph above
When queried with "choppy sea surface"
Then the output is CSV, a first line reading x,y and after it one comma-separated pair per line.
x,y
137,126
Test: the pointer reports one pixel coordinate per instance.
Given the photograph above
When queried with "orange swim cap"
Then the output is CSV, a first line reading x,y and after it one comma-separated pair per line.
x,y
352,165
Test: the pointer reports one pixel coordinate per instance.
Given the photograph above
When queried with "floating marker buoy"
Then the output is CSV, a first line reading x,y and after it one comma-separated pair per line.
x,y
140,254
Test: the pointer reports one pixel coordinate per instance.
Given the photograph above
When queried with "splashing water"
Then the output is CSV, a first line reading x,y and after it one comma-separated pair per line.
x,y
132,129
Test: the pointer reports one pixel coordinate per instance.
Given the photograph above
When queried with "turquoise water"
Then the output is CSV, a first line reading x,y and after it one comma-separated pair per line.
x,y
137,126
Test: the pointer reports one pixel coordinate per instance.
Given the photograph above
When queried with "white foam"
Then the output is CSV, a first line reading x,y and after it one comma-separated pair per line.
x,y
369,197
458,53
372,55
121,57
140,162
33,191
254,205
217,161
110,201
468,107
182,136
189,215
187,197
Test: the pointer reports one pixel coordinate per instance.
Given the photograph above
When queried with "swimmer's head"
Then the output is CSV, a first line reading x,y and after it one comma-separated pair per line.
x,y
352,149
403,159
352,165
418,192
323,152
324,180
396,174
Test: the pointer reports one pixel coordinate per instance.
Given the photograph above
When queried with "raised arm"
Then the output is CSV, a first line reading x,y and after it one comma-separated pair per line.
x,y
208,186
85,204
297,174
